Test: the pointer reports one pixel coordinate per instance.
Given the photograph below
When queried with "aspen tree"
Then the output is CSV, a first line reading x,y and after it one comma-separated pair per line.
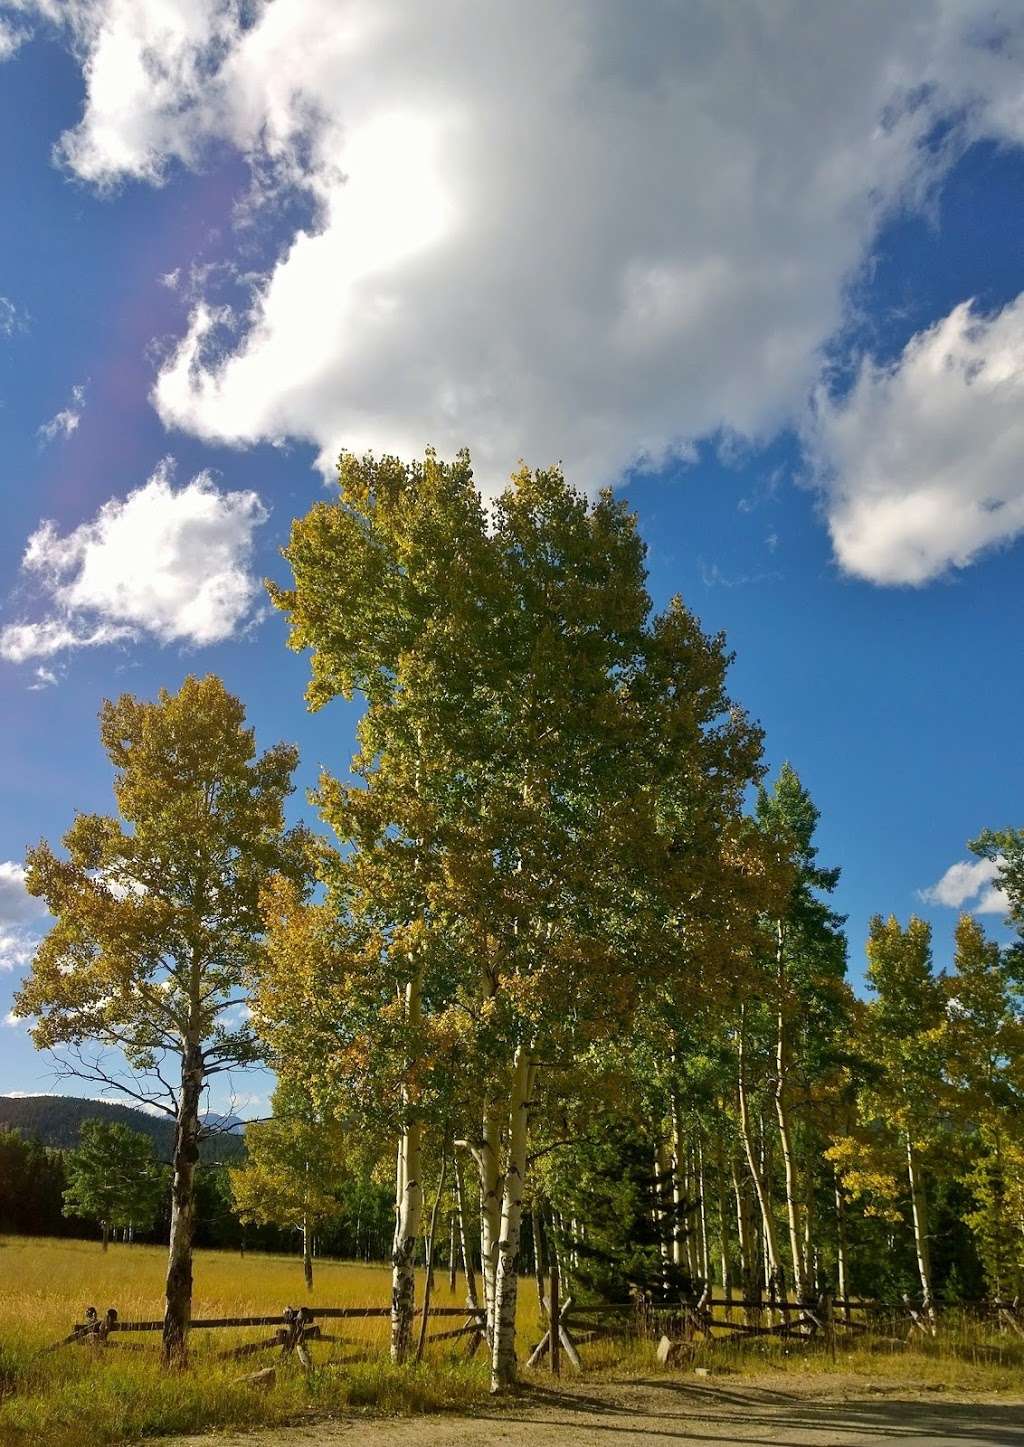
x,y
983,1051
158,921
808,957
296,1167
902,1039
389,594
515,687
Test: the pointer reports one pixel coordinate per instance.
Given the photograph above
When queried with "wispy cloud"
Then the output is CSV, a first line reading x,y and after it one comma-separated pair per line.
x,y
10,39
66,420
42,678
712,576
11,318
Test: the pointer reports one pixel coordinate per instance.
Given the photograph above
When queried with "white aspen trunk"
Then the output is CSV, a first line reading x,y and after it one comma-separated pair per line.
x,y
460,1212
811,1274
667,1229
408,1212
919,1211
746,1232
785,1134
399,1190
692,1219
677,1185
705,1249
723,1220
488,1160
771,1244
428,1286
403,1256
996,1187
503,1356
841,1270
453,1259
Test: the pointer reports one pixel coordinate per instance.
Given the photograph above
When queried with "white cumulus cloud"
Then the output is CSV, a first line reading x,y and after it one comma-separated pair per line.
x,y
923,461
17,906
171,563
968,881
20,916
575,230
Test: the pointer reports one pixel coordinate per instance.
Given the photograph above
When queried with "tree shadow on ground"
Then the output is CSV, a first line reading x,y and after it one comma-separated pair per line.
x,y
714,1414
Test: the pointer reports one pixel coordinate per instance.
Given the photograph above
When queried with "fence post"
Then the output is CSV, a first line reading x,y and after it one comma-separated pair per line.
x,y
827,1310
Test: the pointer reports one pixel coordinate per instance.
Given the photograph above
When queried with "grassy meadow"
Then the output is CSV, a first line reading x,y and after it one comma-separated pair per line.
x,y
120,1394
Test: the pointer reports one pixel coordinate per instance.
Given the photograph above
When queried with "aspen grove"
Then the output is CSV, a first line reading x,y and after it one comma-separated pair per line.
x,y
562,958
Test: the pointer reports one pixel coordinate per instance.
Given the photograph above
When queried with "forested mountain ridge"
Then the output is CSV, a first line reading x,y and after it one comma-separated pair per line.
x,y
55,1120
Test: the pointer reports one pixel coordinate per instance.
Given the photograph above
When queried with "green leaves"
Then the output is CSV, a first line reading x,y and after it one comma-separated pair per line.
x,y
157,910
113,1177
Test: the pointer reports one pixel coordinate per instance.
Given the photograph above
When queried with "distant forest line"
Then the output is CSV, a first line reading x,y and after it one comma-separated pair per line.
x,y
37,1132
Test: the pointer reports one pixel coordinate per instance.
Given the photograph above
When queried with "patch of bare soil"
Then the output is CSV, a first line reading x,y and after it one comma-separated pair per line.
x,y
620,1412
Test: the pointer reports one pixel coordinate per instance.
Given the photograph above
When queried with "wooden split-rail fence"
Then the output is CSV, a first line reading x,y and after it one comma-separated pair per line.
x,y
569,1325
294,1330
689,1321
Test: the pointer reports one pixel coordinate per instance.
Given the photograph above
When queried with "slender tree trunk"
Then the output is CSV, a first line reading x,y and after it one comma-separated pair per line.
x,y
750,1276
785,1134
705,1245
489,1165
453,1259
503,1356
677,1185
842,1273
105,1227
178,1290
403,1256
920,1214
669,1230
431,1237
307,1254
555,1314
756,1175
409,1210
467,1257
539,1250
723,1225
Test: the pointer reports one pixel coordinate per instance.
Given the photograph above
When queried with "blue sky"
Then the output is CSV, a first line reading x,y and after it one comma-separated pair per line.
x,y
759,269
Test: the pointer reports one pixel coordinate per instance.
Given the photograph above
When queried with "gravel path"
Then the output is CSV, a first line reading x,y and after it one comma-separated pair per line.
x,y
665,1410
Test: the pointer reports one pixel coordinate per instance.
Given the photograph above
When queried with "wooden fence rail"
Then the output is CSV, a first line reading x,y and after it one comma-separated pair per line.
x,y
294,1328
567,1326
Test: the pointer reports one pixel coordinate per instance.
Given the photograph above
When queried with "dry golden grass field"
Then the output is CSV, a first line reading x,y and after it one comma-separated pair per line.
x,y
120,1394
77,1394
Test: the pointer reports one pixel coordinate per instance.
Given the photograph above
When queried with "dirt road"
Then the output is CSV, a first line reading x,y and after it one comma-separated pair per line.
x,y
665,1410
